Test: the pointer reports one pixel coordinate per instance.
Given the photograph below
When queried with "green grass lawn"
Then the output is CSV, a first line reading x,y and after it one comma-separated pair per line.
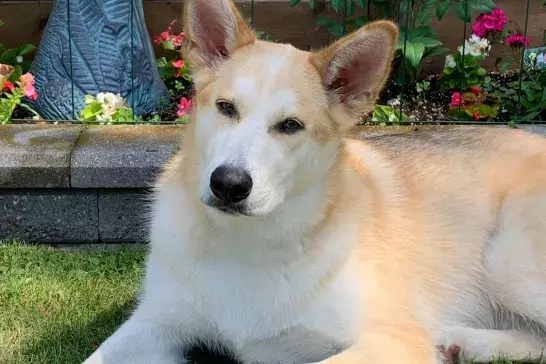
x,y
57,306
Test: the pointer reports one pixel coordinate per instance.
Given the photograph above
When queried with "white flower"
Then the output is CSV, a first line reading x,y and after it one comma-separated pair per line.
x,y
101,97
475,46
450,61
393,102
19,59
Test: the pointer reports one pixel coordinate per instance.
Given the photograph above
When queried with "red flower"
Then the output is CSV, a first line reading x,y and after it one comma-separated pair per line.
x,y
486,23
178,63
177,41
165,36
158,39
183,107
476,90
9,86
517,41
456,99
476,115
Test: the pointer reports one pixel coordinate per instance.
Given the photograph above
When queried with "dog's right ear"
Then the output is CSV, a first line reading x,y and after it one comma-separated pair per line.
x,y
214,29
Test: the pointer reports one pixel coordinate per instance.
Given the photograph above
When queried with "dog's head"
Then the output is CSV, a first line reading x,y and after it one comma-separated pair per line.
x,y
269,117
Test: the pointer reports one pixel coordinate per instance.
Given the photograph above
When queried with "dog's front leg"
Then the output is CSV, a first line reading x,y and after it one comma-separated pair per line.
x,y
388,345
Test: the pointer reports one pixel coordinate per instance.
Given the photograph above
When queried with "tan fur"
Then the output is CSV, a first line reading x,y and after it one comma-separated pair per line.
x,y
449,239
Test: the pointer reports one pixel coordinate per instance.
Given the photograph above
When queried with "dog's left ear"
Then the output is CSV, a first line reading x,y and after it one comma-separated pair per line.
x,y
355,68
214,30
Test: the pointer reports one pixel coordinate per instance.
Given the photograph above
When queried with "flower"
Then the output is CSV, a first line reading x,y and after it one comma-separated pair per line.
x,y
475,46
19,59
475,90
183,107
450,61
486,23
26,82
456,99
178,63
9,86
177,41
476,115
158,39
165,36
517,41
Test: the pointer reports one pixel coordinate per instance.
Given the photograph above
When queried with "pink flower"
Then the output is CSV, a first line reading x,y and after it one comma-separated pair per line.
x,y
178,63
177,41
27,78
165,36
183,107
158,39
9,86
517,41
486,23
26,82
456,99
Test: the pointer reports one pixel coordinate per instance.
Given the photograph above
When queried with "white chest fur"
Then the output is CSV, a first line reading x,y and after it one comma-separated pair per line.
x,y
262,292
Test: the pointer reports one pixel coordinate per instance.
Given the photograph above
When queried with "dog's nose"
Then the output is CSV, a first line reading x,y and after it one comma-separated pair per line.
x,y
230,184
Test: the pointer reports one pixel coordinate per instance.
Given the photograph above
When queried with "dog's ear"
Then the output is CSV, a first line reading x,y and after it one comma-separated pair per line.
x,y
355,68
214,29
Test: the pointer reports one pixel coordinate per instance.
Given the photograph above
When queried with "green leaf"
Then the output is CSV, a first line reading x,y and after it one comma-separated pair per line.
x,y
505,64
336,5
25,49
18,72
349,7
425,16
487,5
428,42
442,9
481,72
436,51
313,4
414,52
337,30
8,57
358,22
362,3
463,12
294,2
1,23
405,6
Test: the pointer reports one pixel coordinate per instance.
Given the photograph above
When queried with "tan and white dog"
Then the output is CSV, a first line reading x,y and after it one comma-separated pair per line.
x,y
279,239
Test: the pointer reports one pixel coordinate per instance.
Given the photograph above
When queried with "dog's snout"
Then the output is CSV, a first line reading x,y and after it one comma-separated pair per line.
x,y
230,184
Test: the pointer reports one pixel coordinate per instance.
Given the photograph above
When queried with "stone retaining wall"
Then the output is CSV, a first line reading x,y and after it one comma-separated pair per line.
x,y
89,184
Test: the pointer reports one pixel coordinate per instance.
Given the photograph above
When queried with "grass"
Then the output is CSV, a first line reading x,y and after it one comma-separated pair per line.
x,y
57,306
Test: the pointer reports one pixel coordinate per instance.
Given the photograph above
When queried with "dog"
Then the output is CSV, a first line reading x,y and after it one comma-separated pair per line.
x,y
277,238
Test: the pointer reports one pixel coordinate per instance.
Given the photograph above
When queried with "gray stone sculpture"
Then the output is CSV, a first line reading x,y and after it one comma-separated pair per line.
x,y
92,46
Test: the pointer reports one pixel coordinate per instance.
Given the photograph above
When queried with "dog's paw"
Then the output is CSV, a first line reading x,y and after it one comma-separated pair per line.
x,y
449,355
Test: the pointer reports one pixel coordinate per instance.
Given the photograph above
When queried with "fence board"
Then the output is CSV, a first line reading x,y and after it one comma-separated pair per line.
x,y
25,20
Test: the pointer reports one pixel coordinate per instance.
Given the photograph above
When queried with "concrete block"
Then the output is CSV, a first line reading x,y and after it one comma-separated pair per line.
x,y
122,156
36,156
49,216
123,216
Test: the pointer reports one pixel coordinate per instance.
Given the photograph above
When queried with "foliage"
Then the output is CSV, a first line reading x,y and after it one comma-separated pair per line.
x,y
172,69
12,95
463,71
414,47
530,104
474,105
16,57
383,113
106,108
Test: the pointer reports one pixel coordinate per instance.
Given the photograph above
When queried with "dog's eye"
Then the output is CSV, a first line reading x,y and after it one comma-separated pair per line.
x,y
226,108
289,126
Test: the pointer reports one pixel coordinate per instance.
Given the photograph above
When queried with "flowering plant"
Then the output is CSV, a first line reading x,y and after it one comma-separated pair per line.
x,y
12,94
173,70
16,57
106,108
475,104
462,69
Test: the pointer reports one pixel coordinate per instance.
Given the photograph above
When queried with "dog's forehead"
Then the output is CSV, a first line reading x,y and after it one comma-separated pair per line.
x,y
270,68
